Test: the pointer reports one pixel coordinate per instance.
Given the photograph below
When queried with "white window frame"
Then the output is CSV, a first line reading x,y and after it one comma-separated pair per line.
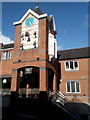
x,y
75,81
7,55
69,69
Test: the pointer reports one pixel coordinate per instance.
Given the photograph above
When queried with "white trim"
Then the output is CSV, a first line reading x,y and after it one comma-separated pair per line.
x,y
76,81
54,26
44,15
52,17
69,69
7,55
7,49
26,14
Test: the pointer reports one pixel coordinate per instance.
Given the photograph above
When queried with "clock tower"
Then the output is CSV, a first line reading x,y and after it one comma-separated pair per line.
x,y
35,53
29,32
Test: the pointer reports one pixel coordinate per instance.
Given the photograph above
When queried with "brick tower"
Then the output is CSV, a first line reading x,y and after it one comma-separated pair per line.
x,y
34,57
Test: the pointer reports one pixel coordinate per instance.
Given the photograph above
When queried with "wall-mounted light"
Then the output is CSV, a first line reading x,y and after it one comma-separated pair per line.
x,y
60,80
82,78
4,81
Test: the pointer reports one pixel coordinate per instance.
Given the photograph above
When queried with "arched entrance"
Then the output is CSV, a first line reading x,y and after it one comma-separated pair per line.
x,y
29,80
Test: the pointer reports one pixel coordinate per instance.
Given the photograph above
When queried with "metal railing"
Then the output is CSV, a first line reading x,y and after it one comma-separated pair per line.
x,y
22,92
30,92
59,99
5,92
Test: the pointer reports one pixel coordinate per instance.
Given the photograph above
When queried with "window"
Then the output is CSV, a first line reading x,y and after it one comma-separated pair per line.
x,y
67,65
6,55
6,83
28,70
73,87
51,25
71,65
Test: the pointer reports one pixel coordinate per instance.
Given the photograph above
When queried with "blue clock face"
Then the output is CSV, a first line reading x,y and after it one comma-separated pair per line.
x,y
29,22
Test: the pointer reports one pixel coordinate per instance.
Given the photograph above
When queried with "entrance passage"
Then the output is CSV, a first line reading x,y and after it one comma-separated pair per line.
x,y
50,79
29,80
29,75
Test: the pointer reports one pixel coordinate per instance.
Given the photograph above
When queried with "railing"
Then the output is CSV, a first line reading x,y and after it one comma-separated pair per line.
x,y
23,92
30,92
5,92
59,99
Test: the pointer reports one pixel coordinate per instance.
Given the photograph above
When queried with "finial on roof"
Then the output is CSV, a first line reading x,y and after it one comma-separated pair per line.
x,y
37,10
37,4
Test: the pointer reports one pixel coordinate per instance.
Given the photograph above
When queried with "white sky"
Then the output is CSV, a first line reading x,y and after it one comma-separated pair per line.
x,y
5,39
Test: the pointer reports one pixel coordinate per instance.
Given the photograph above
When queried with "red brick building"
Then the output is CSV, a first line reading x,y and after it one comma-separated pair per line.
x,y
31,61
75,78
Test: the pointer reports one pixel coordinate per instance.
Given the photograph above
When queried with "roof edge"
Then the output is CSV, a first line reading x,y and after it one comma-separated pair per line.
x,y
73,49
74,58
33,13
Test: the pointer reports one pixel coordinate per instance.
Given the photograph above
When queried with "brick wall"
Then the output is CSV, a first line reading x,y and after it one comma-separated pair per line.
x,y
81,75
37,57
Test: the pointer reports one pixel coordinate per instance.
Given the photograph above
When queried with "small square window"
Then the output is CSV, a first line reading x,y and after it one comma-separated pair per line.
x,y
72,86
71,65
67,65
77,87
68,86
76,64
6,55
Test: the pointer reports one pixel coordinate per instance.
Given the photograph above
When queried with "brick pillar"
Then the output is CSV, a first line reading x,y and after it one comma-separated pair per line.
x,y
15,80
17,38
55,83
1,44
43,79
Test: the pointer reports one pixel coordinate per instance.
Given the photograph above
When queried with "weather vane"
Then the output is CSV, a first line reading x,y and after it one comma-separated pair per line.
x,y
37,4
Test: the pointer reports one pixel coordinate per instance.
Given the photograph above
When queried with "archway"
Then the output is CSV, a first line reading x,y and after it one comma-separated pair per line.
x,y
29,79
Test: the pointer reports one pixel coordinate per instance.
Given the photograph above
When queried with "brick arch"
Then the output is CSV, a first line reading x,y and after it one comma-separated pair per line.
x,y
22,65
52,67
16,77
27,67
30,76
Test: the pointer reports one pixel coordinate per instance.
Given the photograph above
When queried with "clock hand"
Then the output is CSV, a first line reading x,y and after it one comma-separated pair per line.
x,y
29,22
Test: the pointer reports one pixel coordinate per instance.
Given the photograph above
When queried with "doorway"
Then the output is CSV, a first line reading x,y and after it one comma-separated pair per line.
x,y
29,80
50,79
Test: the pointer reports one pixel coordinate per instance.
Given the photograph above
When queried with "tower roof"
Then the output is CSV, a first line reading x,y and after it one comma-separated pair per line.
x,y
38,11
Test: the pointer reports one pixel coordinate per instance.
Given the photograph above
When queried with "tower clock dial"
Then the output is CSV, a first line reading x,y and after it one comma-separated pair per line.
x,y
29,22
29,34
